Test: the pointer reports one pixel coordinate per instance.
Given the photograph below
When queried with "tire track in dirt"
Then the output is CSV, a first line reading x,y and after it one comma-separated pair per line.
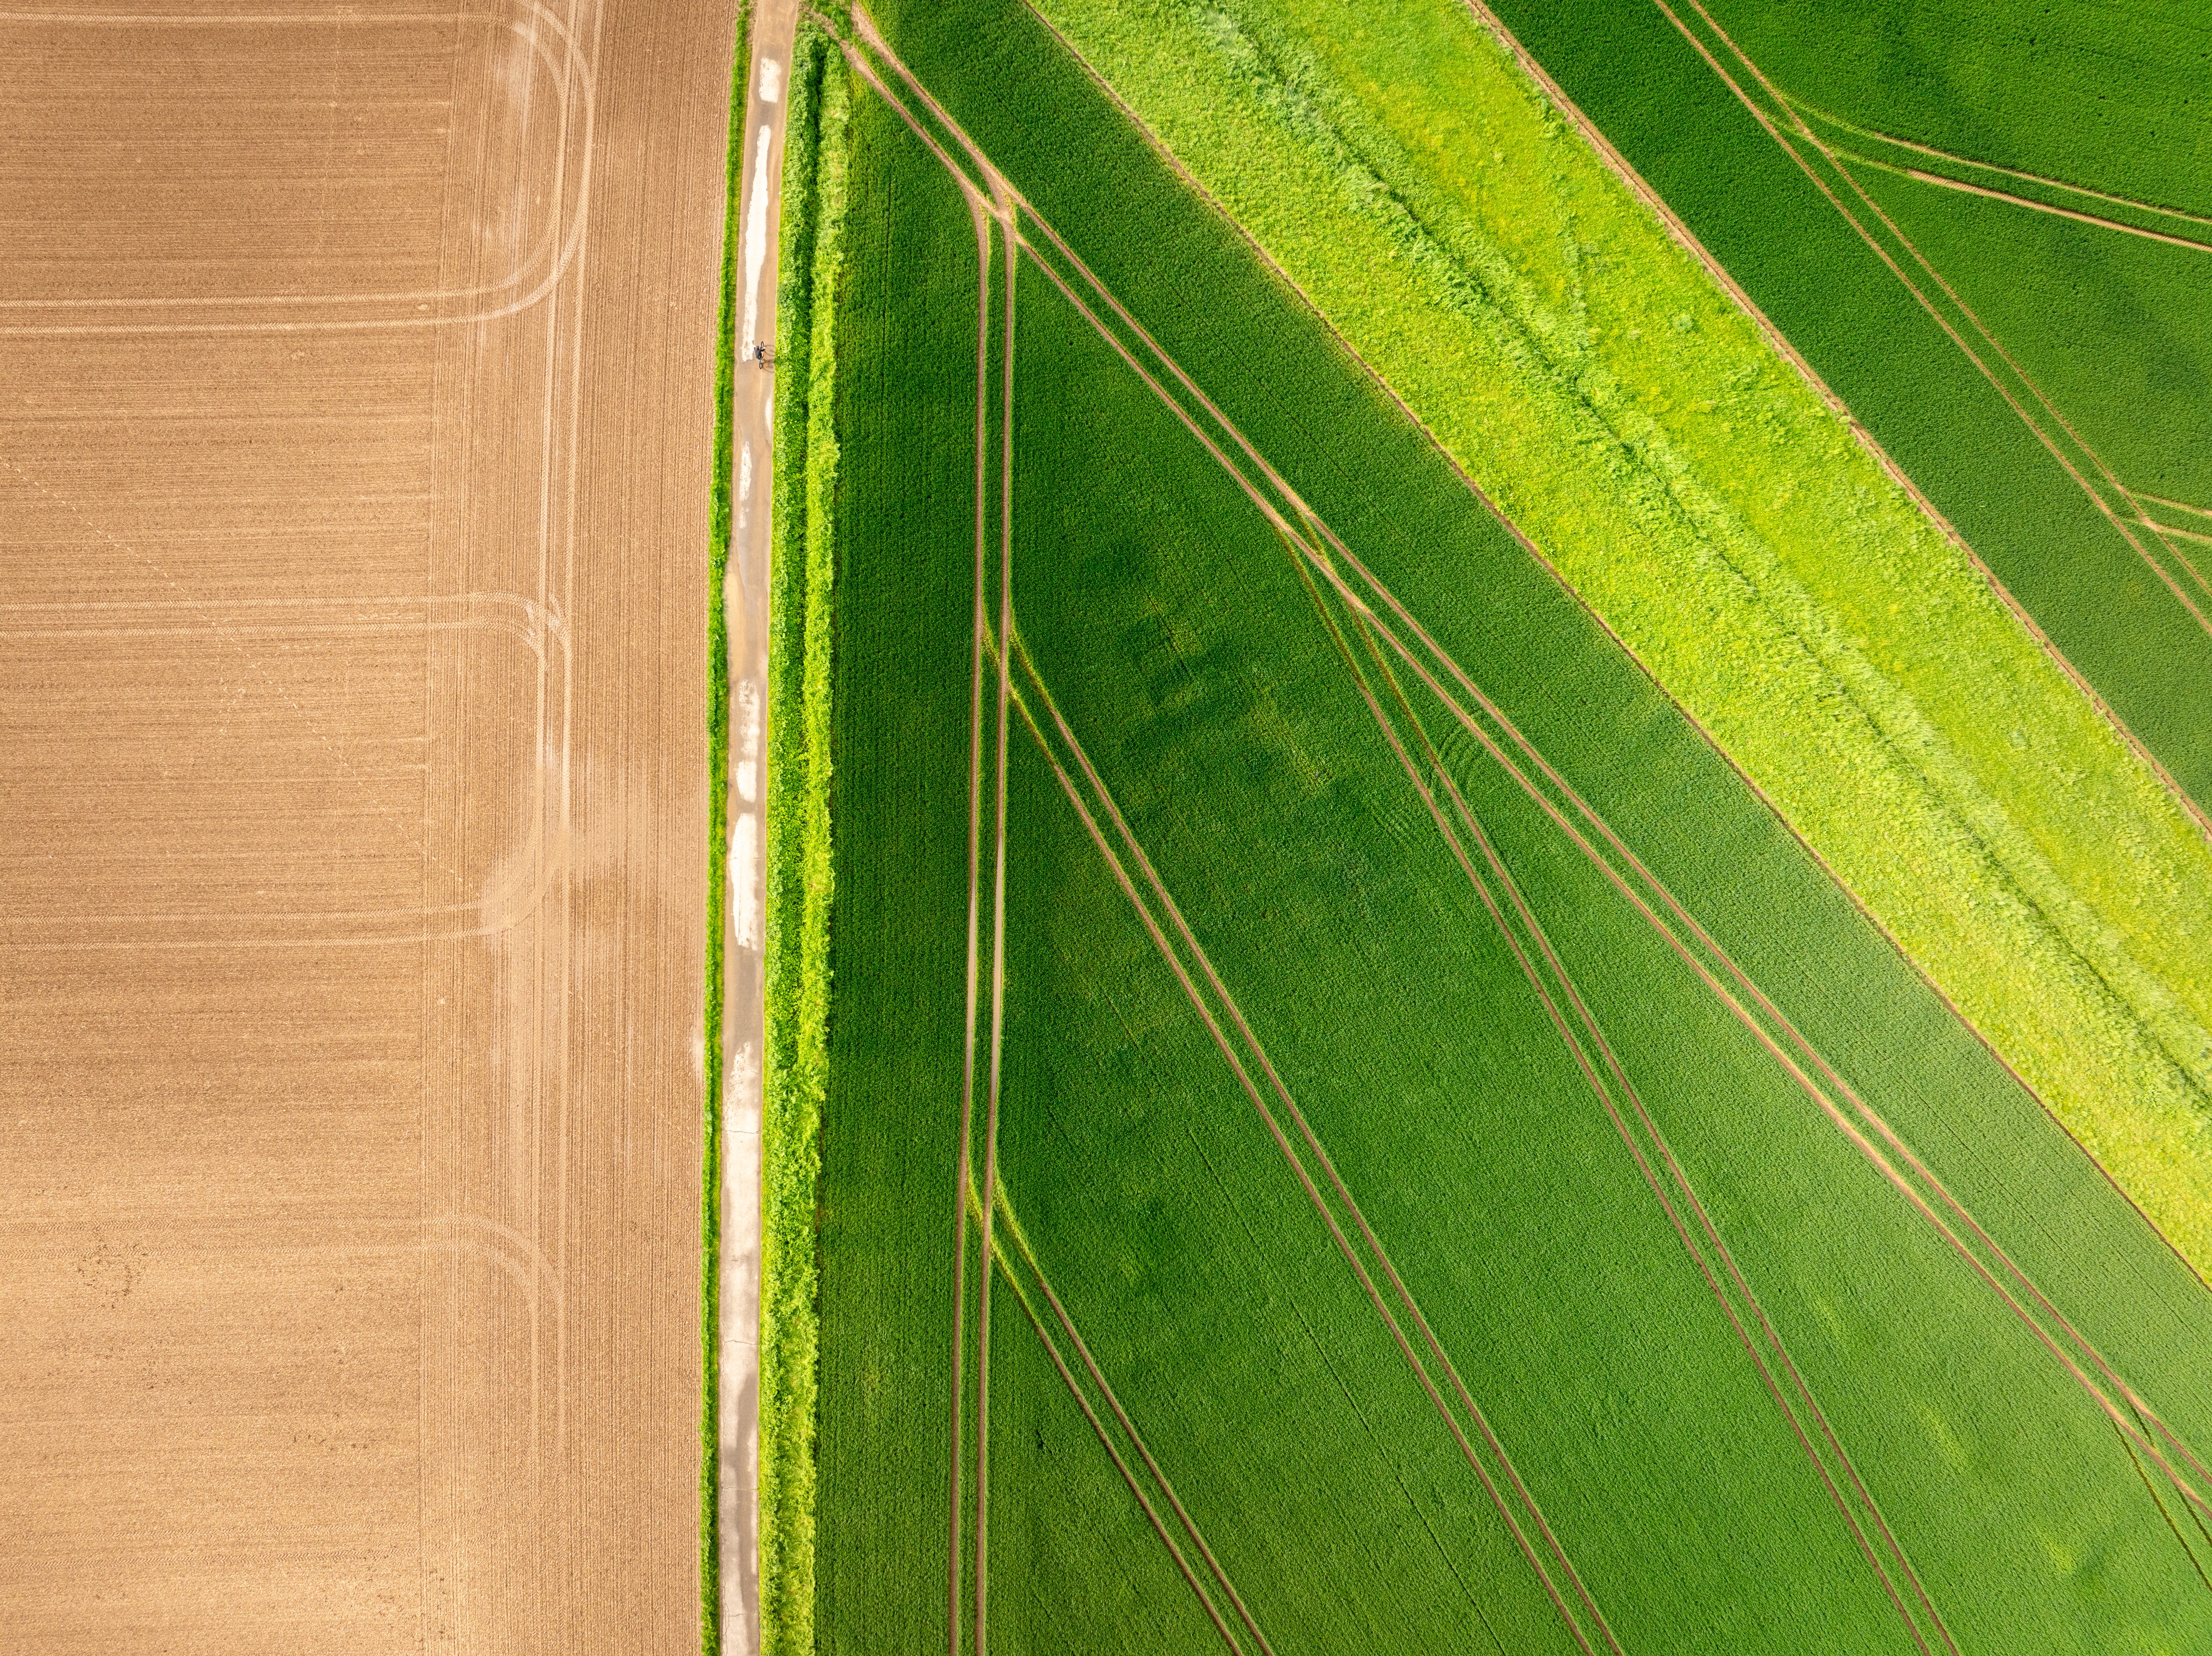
x,y
2168,533
557,250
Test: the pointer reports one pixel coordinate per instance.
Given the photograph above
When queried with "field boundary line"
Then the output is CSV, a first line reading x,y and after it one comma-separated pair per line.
x,y
2121,519
1773,121
1687,239
1874,1122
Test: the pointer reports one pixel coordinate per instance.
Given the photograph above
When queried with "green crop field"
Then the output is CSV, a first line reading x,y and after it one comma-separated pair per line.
x,y
1601,388
2041,427
1430,954
2101,315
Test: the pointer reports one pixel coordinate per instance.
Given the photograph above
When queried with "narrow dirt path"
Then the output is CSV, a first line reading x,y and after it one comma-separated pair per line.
x,y
759,213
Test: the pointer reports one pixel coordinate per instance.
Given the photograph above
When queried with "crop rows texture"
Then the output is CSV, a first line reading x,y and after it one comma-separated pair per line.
x,y
1173,630
2112,327
1595,382
799,876
906,417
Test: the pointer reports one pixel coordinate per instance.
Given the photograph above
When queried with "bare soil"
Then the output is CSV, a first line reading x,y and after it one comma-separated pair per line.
x,y
355,419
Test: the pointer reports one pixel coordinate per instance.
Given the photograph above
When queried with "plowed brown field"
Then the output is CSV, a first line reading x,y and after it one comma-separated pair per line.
x,y
355,386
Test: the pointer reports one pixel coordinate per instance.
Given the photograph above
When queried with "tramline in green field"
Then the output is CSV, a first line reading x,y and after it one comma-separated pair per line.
x,y
1442,1165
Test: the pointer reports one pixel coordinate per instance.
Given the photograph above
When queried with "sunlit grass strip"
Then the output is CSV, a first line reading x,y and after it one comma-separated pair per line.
x,y
717,878
799,871
1593,378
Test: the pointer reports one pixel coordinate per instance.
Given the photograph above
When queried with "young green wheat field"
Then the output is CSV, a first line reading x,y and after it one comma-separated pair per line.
x,y
1490,912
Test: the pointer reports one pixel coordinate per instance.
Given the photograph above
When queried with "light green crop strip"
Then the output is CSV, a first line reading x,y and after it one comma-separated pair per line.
x,y
1599,384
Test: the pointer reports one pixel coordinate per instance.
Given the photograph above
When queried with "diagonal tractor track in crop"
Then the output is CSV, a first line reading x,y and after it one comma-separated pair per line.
x,y
1924,164
1018,1263
1330,1197
1602,1070
964,1198
2180,1462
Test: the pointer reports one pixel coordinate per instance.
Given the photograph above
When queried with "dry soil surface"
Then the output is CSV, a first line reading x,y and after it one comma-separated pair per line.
x,y
356,406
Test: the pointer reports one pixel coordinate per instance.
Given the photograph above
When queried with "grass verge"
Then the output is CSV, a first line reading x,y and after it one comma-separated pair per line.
x,y
795,1073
